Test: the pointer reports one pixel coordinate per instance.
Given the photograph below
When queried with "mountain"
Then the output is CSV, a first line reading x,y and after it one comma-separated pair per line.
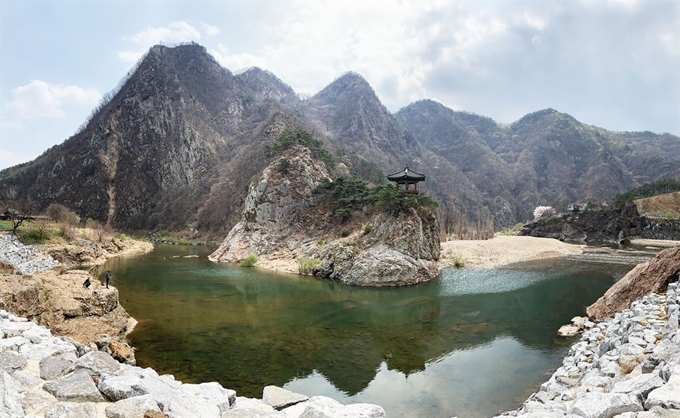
x,y
176,146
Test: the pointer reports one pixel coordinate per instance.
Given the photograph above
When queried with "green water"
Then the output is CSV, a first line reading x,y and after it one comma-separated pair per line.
x,y
469,343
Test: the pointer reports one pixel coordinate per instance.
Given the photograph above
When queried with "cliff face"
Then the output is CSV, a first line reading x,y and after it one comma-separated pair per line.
x,y
645,278
283,220
178,143
613,224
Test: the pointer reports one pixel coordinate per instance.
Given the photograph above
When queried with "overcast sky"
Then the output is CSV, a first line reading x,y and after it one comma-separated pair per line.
x,y
610,63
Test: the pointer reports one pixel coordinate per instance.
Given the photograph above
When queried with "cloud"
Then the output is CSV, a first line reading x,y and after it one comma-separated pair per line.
x,y
172,33
39,99
9,158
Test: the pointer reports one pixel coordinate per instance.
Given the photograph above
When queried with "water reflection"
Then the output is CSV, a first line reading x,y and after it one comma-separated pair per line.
x,y
470,343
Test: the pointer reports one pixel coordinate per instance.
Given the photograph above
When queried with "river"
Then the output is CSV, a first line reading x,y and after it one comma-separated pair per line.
x,y
470,343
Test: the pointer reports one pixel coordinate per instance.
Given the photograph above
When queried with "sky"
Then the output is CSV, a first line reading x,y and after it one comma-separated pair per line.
x,y
609,63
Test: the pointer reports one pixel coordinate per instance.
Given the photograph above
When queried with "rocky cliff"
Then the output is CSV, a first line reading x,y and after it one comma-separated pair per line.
x,y
176,145
283,219
652,276
615,224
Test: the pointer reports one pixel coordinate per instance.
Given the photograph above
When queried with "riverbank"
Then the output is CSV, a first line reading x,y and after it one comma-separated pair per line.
x,y
503,250
46,376
627,366
491,253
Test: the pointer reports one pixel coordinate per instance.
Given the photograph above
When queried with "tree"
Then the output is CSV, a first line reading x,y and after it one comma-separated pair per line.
x,y
57,212
543,212
18,210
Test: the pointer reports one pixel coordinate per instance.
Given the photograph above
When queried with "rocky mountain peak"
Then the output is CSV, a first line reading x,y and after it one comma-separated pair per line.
x,y
265,85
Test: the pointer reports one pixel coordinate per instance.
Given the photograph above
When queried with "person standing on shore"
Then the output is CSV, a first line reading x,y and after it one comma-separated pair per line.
x,y
108,277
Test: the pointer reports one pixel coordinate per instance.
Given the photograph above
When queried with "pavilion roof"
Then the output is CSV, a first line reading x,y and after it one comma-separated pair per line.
x,y
406,176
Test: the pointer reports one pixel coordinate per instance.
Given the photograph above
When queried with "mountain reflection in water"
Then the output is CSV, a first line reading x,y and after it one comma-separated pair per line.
x,y
470,343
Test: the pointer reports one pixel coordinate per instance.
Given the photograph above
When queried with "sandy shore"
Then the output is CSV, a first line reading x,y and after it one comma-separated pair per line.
x,y
655,242
503,250
491,253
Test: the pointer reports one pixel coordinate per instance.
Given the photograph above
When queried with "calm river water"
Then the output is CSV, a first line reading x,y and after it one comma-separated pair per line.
x,y
469,343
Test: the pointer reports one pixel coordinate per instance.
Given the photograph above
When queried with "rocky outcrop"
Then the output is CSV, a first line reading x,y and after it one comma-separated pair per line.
x,y
85,252
283,219
46,376
627,366
60,302
615,224
652,276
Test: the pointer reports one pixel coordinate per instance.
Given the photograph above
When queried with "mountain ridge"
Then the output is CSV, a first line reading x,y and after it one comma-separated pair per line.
x,y
180,141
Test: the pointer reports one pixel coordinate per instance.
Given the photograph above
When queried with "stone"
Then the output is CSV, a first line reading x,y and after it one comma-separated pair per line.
x,y
54,367
97,363
280,398
652,276
658,412
10,405
667,396
34,403
321,404
46,348
121,351
154,414
567,330
182,405
627,363
77,386
10,361
358,410
13,343
639,386
121,387
212,391
253,413
246,403
135,406
72,410
604,405
25,380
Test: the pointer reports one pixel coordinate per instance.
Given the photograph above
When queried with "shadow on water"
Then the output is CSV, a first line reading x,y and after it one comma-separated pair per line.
x,y
470,343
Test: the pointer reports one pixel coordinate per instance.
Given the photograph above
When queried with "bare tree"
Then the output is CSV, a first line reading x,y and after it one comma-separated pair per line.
x,y
17,210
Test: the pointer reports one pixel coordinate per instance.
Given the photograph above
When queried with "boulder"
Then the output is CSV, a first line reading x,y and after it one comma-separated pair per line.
x,y
97,363
639,386
10,406
567,331
132,407
55,366
604,405
77,387
279,398
72,410
212,391
10,361
666,396
120,387
645,278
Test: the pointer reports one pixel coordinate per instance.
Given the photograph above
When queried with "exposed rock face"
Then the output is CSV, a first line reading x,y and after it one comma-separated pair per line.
x,y
182,137
282,218
604,225
60,302
652,276
274,208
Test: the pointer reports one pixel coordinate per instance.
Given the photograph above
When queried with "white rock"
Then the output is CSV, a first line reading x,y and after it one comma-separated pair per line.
x,y
10,406
132,407
604,405
667,396
280,398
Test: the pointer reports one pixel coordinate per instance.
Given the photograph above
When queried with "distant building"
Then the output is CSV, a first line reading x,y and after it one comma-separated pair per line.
x,y
407,177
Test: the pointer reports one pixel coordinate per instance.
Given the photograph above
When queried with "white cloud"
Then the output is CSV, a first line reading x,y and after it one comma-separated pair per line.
x,y
210,30
9,158
39,99
172,33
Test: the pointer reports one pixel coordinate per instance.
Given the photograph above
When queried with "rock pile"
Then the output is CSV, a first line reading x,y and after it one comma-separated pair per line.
x,y
627,366
46,376
23,257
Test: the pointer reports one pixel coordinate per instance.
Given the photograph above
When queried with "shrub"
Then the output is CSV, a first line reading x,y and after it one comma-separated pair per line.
x,y
123,237
67,231
248,261
306,265
283,166
367,229
57,212
458,261
344,233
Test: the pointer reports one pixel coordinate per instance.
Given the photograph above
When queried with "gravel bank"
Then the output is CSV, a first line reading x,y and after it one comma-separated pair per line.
x,y
624,367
